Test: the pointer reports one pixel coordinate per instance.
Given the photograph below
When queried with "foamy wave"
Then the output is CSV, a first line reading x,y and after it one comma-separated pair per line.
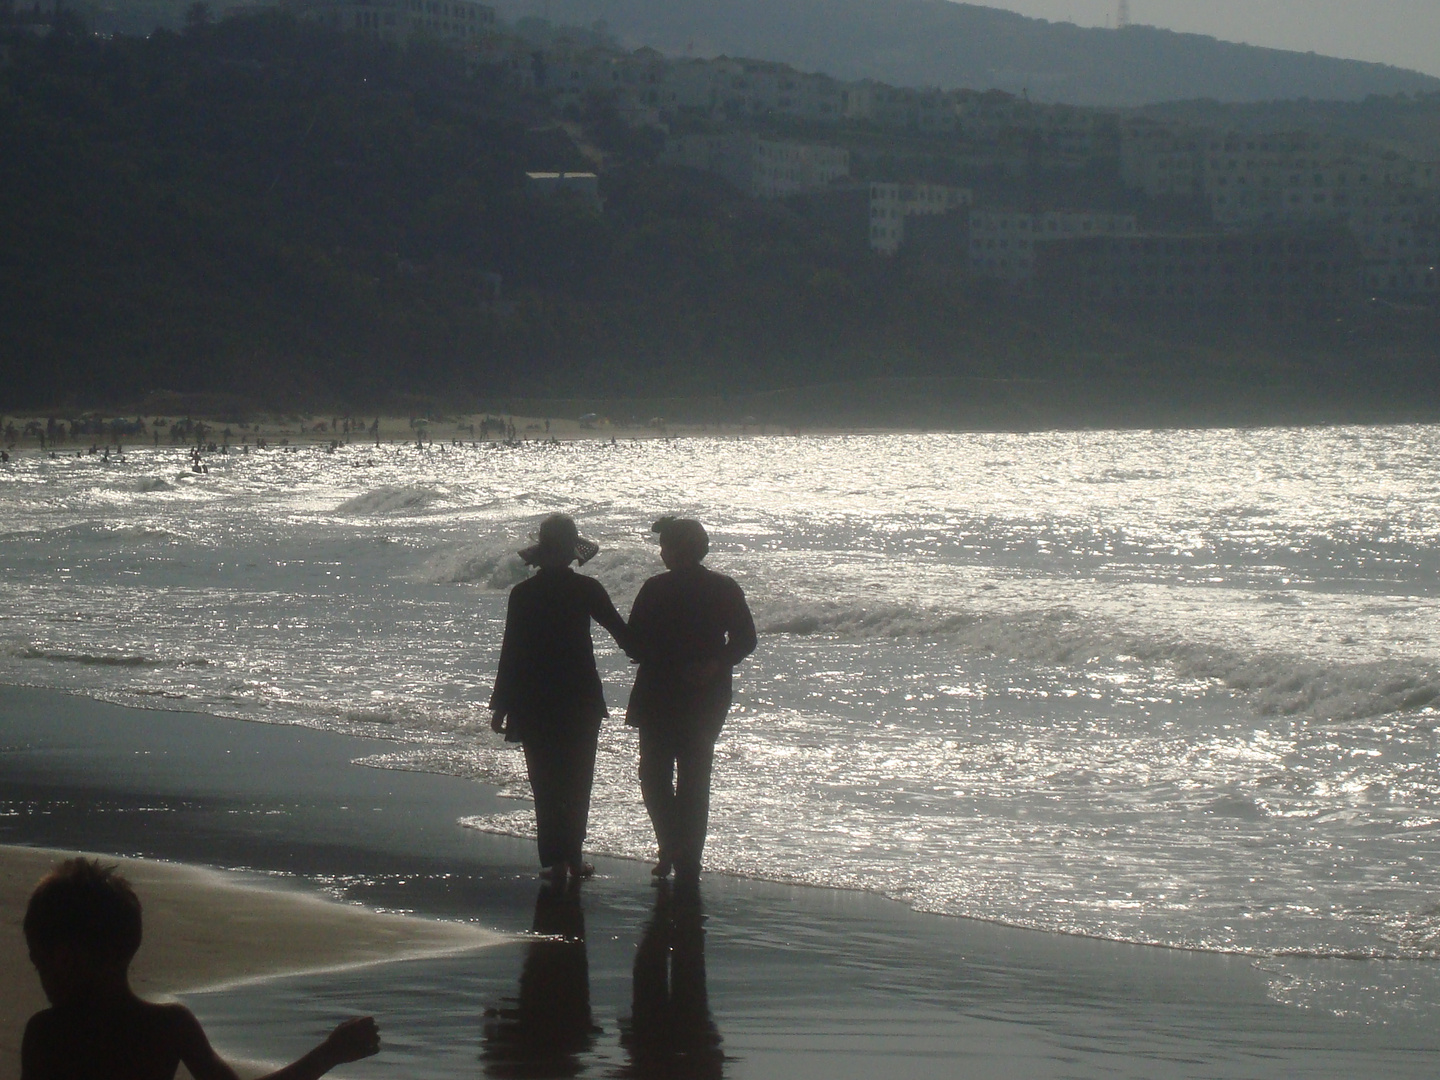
x,y
145,484
495,563
109,533
389,500
489,762
1279,685
492,563
1417,933
92,659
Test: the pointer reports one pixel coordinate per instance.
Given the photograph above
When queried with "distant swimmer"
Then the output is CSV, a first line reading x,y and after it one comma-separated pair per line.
x,y
689,628
548,696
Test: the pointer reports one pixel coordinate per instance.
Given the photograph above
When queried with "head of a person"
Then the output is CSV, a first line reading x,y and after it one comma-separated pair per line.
x,y
558,543
82,926
683,542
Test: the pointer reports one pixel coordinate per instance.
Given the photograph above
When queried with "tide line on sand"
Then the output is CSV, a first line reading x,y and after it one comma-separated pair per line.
x,y
206,929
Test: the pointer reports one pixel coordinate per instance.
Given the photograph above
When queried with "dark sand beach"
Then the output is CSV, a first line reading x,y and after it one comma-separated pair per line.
x,y
795,982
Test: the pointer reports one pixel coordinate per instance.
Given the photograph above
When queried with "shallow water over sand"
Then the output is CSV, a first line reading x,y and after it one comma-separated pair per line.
x,y
1165,687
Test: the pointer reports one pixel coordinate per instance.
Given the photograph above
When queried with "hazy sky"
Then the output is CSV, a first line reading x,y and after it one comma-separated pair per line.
x,y
1403,32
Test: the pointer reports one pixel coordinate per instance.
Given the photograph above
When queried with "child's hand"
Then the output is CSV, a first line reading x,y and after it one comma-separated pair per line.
x,y
353,1040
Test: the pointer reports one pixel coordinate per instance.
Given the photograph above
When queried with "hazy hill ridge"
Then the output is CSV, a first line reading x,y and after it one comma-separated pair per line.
x,y
939,43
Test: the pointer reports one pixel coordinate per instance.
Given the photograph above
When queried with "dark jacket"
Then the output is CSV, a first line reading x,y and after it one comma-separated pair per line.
x,y
688,628
547,685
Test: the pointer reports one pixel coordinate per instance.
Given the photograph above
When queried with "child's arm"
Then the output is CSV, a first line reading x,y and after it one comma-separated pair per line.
x,y
351,1041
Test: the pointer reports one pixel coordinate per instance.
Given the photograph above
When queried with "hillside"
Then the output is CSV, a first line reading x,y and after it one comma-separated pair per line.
x,y
1407,124
939,43
264,209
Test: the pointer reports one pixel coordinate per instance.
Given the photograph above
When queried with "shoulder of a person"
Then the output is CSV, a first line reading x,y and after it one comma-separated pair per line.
x,y
722,581
168,1014
41,1024
594,584
655,581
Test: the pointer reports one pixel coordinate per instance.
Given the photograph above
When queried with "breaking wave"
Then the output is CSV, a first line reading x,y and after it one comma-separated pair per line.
x,y
495,563
145,484
1277,684
492,563
389,500
89,659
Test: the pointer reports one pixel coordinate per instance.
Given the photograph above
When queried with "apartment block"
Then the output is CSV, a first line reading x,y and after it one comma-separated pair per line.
x,y
1003,242
892,204
763,168
1277,273
456,22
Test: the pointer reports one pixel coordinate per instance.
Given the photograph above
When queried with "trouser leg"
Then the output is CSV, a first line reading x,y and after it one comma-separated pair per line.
x,y
694,760
545,769
577,782
657,788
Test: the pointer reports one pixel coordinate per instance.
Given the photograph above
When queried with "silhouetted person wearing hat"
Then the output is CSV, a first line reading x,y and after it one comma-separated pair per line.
x,y
689,627
548,695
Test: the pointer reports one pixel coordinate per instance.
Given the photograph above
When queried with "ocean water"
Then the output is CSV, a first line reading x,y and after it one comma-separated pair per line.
x,y
1179,688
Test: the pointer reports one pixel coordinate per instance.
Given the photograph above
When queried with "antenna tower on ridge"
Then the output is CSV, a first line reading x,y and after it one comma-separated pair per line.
x,y
1122,16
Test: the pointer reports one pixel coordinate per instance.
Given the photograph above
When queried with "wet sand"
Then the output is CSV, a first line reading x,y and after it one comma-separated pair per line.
x,y
205,930
792,982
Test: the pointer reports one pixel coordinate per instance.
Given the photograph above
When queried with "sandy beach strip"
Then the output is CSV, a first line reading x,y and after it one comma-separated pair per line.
x,y
205,929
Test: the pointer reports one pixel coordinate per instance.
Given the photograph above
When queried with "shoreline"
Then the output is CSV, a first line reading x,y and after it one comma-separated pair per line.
x,y
801,981
941,404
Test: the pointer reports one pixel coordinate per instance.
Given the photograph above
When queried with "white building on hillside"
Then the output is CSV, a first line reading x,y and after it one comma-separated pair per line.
x,y
455,22
1002,242
891,204
584,187
764,168
1400,248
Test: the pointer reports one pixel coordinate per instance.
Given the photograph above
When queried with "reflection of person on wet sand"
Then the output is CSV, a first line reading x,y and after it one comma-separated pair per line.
x,y
689,627
670,1032
544,1031
548,696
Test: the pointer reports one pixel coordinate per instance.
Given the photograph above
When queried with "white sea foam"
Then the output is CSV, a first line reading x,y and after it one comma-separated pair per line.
x,y
1278,684
390,500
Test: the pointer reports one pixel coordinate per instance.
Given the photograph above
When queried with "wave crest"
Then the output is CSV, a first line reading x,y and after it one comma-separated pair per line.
x,y
1277,684
389,500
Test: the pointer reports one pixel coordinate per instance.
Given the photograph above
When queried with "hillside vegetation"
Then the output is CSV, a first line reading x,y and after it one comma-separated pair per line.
x,y
262,209
950,45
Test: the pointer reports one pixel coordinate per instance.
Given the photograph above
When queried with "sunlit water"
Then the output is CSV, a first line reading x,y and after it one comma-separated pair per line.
x,y
1166,687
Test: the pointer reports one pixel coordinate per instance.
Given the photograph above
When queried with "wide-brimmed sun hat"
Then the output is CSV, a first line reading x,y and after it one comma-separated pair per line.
x,y
558,543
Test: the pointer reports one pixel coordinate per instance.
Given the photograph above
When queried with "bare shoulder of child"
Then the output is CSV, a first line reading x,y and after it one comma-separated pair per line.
x,y
83,928
124,1040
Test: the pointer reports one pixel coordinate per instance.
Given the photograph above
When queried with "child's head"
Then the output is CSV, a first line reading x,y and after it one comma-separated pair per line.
x,y
83,920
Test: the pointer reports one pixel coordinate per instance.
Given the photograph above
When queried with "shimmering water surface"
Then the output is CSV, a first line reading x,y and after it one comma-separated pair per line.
x,y
1166,687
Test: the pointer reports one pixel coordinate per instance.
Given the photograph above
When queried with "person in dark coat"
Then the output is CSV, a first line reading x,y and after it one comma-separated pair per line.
x,y
689,627
548,695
